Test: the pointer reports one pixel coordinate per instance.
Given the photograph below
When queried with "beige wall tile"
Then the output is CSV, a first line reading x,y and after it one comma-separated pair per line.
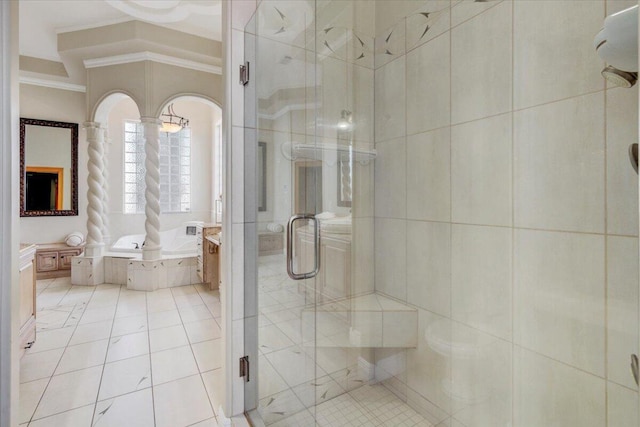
x,y
390,257
622,180
428,86
363,256
390,44
428,176
553,50
429,266
481,378
332,78
559,297
462,10
390,115
622,405
481,65
622,308
390,179
614,6
559,165
430,362
360,88
437,18
481,278
577,399
481,172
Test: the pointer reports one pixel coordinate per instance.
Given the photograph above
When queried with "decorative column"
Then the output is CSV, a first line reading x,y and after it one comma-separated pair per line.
x,y
106,235
152,249
95,193
88,269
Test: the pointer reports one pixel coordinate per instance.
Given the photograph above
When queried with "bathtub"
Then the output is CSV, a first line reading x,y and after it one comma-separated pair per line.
x,y
174,242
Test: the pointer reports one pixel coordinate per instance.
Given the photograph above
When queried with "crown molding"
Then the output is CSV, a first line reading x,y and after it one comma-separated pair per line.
x,y
81,27
150,56
34,81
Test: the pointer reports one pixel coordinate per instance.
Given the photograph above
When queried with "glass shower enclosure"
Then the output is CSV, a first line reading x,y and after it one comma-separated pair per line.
x,y
441,216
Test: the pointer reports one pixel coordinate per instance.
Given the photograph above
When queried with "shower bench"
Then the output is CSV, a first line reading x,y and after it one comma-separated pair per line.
x,y
372,320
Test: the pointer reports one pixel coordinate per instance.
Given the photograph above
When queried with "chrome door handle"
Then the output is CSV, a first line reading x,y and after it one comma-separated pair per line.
x,y
316,244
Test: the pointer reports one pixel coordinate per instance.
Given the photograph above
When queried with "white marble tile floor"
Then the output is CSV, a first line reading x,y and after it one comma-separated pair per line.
x,y
108,356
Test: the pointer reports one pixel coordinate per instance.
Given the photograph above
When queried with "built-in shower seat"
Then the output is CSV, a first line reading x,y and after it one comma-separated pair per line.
x,y
372,320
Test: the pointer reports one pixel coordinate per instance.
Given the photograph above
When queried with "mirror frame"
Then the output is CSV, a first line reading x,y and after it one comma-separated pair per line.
x,y
74,168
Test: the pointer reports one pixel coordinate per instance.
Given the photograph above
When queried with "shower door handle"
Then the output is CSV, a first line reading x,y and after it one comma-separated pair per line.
x,y
316,244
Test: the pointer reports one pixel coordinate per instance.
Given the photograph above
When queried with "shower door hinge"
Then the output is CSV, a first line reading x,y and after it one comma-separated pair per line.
x,y
244,74
244,368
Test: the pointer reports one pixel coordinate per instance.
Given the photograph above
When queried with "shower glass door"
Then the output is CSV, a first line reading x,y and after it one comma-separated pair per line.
x,y
466,170
309,120
282,292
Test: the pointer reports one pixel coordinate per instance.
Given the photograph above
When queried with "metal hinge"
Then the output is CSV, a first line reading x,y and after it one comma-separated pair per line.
x,y
244,74
244,368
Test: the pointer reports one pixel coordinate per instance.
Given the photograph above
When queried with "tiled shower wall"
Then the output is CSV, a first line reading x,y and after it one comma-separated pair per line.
x,y
506,211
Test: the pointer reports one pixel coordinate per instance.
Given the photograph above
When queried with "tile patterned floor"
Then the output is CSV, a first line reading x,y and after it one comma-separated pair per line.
x,y
107,356
298,380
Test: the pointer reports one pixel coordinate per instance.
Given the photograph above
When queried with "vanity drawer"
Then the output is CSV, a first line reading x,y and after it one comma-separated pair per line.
x,y
65,257
47,261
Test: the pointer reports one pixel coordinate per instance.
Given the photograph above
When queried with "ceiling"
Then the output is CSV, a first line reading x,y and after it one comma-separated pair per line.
x,y
42,20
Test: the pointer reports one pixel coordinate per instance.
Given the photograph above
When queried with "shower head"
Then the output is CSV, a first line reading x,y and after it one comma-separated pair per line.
x,y
618,77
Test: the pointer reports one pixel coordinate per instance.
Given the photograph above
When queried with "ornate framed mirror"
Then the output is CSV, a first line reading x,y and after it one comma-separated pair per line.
x,y
48,168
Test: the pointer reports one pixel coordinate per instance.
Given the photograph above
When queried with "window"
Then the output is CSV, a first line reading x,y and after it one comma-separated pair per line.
x,y
175,170
133,168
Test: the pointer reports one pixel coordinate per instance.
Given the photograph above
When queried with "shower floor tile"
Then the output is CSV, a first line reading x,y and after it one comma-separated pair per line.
x,y
369,405
106,341
303,385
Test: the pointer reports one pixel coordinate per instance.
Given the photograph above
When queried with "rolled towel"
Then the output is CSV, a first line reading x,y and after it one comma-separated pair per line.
x,y
275,228
74,239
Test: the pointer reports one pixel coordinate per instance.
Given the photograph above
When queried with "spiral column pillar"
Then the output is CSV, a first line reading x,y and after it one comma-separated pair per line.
x,y
152,249
95,192
106,235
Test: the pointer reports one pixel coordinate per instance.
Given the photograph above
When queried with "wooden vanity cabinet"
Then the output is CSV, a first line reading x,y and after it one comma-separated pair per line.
x,y
27,279
54,260
334,278
209,255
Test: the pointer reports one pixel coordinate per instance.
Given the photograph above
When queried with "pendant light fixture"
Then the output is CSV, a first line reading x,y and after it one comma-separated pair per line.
x,y
346,120
171,122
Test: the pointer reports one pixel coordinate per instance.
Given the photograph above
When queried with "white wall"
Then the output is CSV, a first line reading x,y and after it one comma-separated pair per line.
x,y
201,117
64,106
